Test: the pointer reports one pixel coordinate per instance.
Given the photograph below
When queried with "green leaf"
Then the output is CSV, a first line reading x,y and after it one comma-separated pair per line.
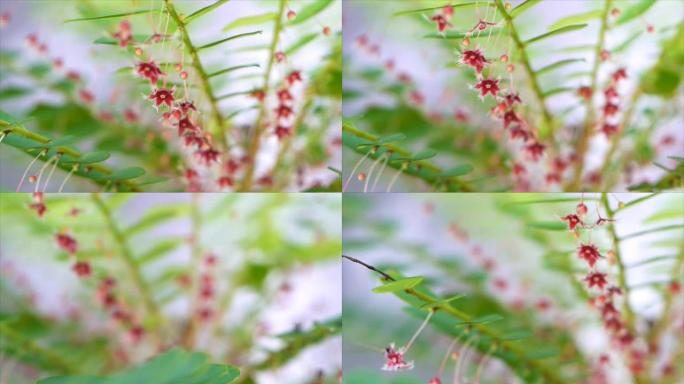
x,y
456,171
172,367
250,20
434,9
126,174
150,179
556,91
89,158
555,32
423,155
13,92
158,250
527,4
114,16
548,225
203,11
229,38
482,320
231,69
112,41
154,217
556,65
399,285
634,11
664,215
300,43
664,78
576,19
310,10
391,138
439,303
462,34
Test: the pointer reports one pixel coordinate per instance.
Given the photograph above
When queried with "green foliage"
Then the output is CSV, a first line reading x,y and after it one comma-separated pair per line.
x,y
666,76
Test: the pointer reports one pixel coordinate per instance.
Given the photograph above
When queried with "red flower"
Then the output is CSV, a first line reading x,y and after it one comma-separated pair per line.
x,y
293,77
149,71
675,287
535,150
284,95
613,290
66,243
486,86
130,116
573,221
162,96
435,380
559,164
519,169
543,304
585,92
512,99
610,129
461,116
519,133
279,56
611,93
474,58
185,124
581,209
509,118
86,96
589,253
40,208
258,94
610,109
195,140
225,182
442,22
208,156
191,174
82,269
613,324
553,178
136,333
596,279
608,311
231,166
124,34
283,111
205,314
282,131
619,75
394,359
417,97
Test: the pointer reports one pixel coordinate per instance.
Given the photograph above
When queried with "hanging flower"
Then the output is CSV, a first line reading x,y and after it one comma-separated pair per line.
x,y
535,150
66,243
573,221
589,253
585,92
512,99
596,279
488,86
124,35
284,95
619,75
279,56
258,94
225,182
149,70
186,106
284,111
185,124
293,77
162,96
82,269
519,133
611,93
442,22
474,58
609,129
282,131
510,117
394,359
610,109
208,156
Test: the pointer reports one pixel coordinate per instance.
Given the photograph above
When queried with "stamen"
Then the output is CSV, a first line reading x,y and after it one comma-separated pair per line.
x,y
420,329
382,169
447,354
483,362
461,357
26,171
370,172
54,166
491,29
356,166
73,169
2,136
396,177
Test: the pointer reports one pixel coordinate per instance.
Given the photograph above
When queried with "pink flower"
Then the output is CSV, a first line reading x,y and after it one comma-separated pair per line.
x,y
474,58
610,109
162,96
488,86
185,124
225,182
435,380
124,34
282,131
149,70
40,208
293,77
284,111
573,221
394,359
279,56
510,117
82,269
611,93
442,22
619,75
519,133
535,150
284,95
66,243
208,156
609,129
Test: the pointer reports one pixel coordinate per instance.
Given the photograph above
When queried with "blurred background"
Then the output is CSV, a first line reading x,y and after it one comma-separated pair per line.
x,y
509,254
274,281
35,90
402,76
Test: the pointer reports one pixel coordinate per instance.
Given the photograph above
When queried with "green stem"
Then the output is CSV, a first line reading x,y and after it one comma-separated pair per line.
x,y
615,140
29,345
128,259
525,61
259,125
583,143
220,129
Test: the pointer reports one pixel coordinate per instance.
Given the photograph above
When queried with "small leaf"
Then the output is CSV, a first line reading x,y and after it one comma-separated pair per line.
x,y
148,180
89,158
522,7
299,44
569,28
114,16
158,250
481,320
434,9
399,285
456,171
548,225
634,11
310,10
460,35
576,19
517,335
556,65
229,38
557,91
439,303
423,155
126,174
390,138
112,41
231,69
250,20
203,11
13,92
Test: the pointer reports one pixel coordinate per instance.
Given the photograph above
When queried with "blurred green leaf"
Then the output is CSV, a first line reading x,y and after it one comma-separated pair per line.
x,y
399,285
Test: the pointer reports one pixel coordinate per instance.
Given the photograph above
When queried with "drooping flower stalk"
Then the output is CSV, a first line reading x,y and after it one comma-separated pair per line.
x,y
28,168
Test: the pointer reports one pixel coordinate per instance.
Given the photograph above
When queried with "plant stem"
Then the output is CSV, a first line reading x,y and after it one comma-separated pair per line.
x,y
128,260
220,130
259,125
549,374
525,61
188,337
583,143
29,345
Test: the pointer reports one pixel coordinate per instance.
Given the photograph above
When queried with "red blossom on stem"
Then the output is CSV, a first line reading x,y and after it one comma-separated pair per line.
x,y
282,131
284,111
510,117
585,92
394,359
185,124
208,156
82,269
619,75
609,129
124,34
535,150
442,22
150,71
475,59
162,96
589,253
293,77
487,86
67,243
284,95
610,109
596,279
573,221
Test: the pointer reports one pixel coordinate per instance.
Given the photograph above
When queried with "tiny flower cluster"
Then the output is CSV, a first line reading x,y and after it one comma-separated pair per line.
x,y
206,291
284,111
117,309
609,125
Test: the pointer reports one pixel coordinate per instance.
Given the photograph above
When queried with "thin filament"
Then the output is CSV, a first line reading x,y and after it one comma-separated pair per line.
x,y
370,172
420,329
73,169
461,357
26,171
395,178
482,364
2,137
356,166
447,354
42,169
491,27
382,169
52,171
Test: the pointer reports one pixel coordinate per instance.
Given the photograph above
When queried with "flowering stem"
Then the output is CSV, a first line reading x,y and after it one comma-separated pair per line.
x,y
525,61
196,252
128,259
219,122
583,143
259,125
615,140
420,329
